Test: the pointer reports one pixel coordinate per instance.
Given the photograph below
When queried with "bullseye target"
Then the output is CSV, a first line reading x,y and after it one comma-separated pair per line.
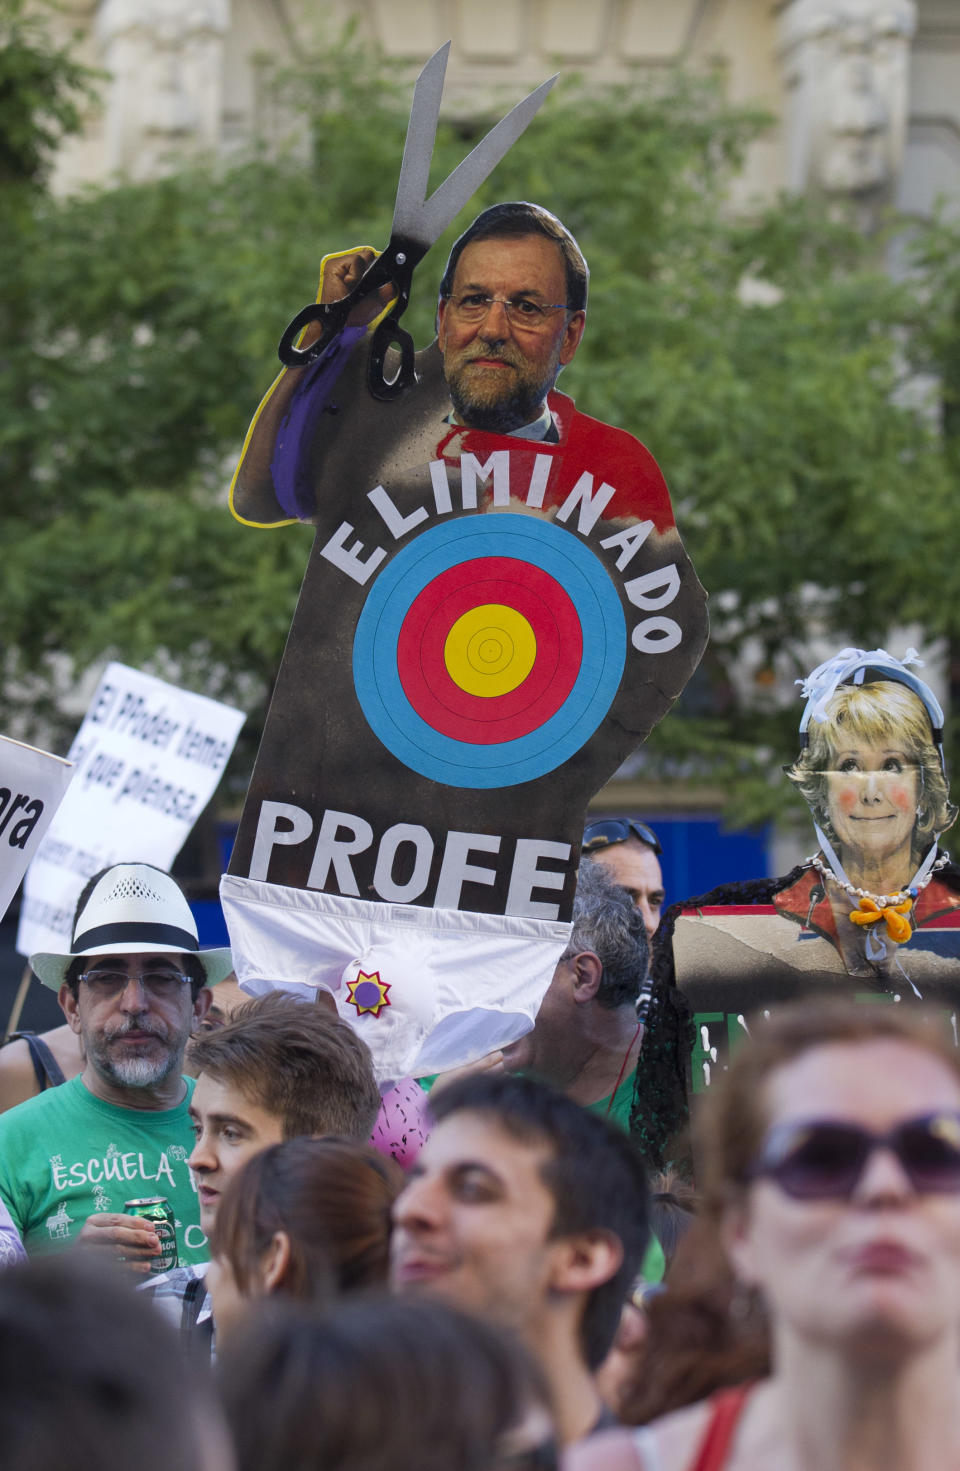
x,y
489,650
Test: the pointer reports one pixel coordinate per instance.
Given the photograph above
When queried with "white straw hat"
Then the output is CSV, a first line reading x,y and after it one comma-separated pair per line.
x,y
134,909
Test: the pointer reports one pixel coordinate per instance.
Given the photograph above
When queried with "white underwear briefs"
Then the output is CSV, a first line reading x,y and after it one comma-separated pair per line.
x,y
426,989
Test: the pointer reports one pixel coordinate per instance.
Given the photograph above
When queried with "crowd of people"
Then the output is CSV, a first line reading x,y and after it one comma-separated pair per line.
x,y
224,1247
503,1286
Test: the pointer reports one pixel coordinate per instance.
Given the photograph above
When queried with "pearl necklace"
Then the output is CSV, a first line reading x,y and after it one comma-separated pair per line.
x,y
883,901
892,908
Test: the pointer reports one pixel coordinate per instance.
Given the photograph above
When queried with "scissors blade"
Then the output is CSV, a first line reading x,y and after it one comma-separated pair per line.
x,y
424,220
419,143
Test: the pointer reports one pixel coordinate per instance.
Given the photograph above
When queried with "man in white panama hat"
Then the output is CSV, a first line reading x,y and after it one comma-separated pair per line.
x,y
133,988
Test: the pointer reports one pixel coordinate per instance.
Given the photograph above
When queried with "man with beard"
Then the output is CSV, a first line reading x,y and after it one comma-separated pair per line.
x,y
630,851
133,988
511,314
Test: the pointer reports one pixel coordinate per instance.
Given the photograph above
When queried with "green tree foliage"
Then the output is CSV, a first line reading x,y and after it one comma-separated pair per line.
x,y
813,497
41,92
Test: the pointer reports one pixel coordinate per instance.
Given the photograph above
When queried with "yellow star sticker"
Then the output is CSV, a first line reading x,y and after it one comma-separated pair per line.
x,y
368,994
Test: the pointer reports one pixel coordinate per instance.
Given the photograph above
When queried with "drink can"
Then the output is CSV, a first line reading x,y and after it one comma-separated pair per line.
x,y
157,1210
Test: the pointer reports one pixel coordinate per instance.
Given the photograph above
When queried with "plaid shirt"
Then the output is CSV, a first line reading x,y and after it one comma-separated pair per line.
x,y
181,1295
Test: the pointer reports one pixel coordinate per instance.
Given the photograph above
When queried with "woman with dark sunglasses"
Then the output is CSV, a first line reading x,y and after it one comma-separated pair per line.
x,y
830,1167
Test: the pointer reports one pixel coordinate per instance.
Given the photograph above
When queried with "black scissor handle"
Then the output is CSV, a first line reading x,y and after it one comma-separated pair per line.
x,y
394,266
316,311
390,334
333,315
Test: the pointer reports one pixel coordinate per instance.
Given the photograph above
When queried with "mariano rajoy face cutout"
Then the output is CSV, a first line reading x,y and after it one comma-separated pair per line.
x,y
505,332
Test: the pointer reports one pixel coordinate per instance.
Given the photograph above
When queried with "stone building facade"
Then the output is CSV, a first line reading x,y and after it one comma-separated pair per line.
x,y
866,93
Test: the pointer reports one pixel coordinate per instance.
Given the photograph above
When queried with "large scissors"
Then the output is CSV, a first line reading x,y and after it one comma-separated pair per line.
x,y
417,223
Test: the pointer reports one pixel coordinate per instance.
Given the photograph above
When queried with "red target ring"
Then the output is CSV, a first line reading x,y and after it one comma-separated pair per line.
x,y
528,593
528,623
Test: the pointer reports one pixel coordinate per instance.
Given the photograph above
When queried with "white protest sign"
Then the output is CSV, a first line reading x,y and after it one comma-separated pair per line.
x,y
148,758
32,784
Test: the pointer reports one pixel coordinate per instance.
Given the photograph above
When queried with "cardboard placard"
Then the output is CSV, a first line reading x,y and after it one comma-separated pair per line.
x,y
733,960
488,627
148,758
32,786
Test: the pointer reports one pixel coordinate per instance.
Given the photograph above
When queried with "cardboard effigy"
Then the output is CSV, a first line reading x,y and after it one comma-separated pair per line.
x,y
488,625
874,913
33,783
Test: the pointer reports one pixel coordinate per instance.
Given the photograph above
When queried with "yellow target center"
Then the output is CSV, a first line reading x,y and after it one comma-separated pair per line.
x,y
490,650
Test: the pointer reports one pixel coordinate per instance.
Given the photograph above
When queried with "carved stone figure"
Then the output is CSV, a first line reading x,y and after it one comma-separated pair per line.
x,y
845,71
165,59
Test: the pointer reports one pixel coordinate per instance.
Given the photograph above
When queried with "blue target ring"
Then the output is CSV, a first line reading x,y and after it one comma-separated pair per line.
x,y
461,763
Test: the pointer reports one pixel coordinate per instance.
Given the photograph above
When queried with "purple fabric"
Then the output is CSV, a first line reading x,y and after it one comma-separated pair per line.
x,y
401,1128
11,1247
290,465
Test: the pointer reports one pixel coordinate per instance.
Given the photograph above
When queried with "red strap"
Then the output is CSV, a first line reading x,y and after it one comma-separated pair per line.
x,y
721,1427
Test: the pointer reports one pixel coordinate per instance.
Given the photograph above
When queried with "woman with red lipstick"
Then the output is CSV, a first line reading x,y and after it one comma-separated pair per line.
x,y
830,1156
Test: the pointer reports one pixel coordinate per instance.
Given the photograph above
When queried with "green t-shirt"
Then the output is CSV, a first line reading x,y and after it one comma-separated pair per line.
x,y
616,1106
65,1155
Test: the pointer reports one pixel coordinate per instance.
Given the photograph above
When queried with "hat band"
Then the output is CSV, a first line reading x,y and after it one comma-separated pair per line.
x,y
139,934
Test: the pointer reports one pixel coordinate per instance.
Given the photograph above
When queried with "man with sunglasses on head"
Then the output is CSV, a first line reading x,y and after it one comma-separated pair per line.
x,y
630,852
133,988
